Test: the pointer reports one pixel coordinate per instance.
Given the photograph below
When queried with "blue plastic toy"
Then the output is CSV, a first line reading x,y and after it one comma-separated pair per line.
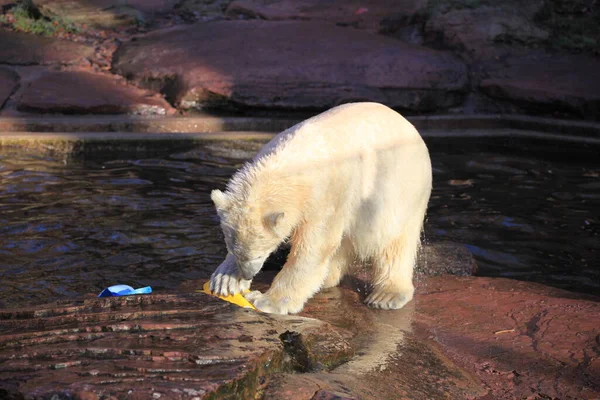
x,y
123,290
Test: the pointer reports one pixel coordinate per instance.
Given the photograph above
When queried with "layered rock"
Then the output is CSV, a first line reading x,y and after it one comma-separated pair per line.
x,y
106,14
522,340
9,81
148,347
18,48
80,92
479,32
542,82
362,14
290,65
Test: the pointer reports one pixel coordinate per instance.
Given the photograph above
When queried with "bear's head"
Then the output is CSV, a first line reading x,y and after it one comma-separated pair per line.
x,y
251,234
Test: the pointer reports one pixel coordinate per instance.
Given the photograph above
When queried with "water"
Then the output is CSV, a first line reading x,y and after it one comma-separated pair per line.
x,y
72,227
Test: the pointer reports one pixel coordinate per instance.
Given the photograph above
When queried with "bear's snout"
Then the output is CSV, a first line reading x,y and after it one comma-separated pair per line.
x,y
250,268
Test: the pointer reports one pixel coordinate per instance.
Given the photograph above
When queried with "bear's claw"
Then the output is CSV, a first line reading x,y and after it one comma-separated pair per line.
x,y
226,280
387,300
263,302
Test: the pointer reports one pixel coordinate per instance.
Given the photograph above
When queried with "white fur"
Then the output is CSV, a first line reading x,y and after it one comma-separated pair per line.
x,y
349,184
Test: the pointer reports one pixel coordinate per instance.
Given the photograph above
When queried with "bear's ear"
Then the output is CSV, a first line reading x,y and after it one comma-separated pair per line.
x,y
220,199
273,220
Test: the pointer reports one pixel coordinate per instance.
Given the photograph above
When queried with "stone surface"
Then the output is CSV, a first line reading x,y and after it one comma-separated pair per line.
x,y
390,361
479,31
79,92
522,340
547,83
446,258
9,81
204,9
265,65
362,14
461,337
24,49
190,346
106,14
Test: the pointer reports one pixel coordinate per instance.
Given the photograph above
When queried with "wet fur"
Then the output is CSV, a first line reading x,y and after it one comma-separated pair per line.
x,y
350,184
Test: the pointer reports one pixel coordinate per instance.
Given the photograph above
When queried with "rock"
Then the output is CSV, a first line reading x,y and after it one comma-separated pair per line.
x,y
159,346
362,14
390,361
79,92
205,9
330,395
9,82
547,83
106,14
265,65
479,31
24,49
461,337
446,259
520,339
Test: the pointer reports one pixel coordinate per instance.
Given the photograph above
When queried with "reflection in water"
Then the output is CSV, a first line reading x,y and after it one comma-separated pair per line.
x,y
387,332
67,229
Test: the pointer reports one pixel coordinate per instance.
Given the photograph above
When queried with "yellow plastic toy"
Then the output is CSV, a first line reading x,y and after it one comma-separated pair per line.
x,y
236,299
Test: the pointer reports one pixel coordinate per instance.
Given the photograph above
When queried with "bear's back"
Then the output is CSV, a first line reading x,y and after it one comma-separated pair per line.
x,y
342,130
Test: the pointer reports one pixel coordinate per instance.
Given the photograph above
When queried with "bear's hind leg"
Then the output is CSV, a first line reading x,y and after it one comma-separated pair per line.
x,y
393,272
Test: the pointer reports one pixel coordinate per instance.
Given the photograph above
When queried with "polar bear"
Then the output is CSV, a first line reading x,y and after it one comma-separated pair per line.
x,y
350,184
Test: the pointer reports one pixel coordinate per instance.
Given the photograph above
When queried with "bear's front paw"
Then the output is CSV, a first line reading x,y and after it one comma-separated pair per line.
x,y
227,280
387,300
265,303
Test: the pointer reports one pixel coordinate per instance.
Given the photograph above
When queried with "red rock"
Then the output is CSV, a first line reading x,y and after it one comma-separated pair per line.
x,y
362,14
478,31
124,347
446,258
547,83
390,361
9,81
78,92
292,387
329,395
106,14
520,339
24,49
283,65
481,338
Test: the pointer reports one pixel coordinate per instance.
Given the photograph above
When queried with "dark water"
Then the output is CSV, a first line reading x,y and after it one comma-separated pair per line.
x,y
69,228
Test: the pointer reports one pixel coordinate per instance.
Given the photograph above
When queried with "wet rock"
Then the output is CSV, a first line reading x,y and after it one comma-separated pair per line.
x,y
159,346
368,15
547,83
24,49
79,92
446,258
520,339
390,361
9,82
478,31
461,337
188,64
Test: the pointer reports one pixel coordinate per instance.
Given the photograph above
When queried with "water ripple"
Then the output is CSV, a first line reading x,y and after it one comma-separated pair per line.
x,y
525,211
